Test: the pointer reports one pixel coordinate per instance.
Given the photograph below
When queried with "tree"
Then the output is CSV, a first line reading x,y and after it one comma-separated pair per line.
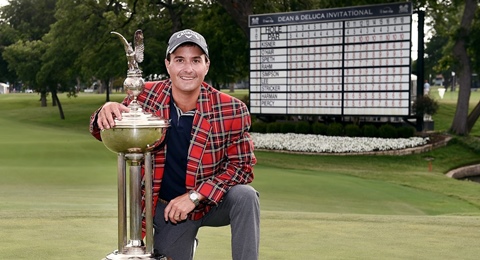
x,y
8,36
25,20
81,47
176,10
433,56
459,124
77,45
30,18
456,21
24,57
228,47
239,10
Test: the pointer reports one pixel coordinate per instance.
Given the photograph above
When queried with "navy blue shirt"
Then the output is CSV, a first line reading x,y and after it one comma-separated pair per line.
x,y
178,141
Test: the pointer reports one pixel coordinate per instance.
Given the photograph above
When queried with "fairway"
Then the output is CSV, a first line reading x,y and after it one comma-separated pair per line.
x,y
58,197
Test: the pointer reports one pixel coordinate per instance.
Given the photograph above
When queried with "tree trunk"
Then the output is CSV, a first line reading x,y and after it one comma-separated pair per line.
x,y
101,86
57,101
175,10
106,86
43,98
79,85
459,124
54,100
239,10
473,117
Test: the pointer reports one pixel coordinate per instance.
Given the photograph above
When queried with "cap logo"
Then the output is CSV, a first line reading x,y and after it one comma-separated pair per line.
x,y
188,34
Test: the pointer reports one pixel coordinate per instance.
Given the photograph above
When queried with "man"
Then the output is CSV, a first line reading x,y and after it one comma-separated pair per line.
x,y
202,170
426,88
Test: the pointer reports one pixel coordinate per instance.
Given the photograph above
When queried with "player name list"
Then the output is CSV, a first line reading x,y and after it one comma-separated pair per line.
x,y
332,66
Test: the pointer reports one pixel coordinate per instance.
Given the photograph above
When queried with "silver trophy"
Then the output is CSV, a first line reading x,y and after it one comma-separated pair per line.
x,y
132,138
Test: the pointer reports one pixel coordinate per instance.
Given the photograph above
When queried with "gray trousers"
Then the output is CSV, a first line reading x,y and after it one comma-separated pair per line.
x,y
239,208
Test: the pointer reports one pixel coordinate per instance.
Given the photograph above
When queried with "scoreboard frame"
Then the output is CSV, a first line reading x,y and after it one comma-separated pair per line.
x,y
353,61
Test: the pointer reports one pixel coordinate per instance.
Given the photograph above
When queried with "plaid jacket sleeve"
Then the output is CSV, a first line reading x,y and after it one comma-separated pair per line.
x,y
227,147
93,127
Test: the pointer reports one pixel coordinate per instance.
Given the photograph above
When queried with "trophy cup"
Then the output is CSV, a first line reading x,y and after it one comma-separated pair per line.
x,y
132,138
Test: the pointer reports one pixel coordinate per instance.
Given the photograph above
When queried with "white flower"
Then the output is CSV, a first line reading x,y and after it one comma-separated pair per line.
x,y
332,144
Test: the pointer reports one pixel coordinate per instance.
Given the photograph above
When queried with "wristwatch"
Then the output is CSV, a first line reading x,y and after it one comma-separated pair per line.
x,y
193,195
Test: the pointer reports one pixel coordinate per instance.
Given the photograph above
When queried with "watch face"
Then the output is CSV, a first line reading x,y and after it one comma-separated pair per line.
x,y
194,196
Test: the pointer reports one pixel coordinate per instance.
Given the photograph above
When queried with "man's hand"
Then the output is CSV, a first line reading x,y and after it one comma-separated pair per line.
x,y
177,210
110,111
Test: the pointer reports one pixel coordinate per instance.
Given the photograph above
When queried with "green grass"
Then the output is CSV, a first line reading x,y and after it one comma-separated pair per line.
x,y
58,196
443,119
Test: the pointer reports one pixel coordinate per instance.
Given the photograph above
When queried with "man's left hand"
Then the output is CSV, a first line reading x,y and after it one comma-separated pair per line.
x,y
177,209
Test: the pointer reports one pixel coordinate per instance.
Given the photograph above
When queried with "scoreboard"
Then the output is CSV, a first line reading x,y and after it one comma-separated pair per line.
x,y
346,61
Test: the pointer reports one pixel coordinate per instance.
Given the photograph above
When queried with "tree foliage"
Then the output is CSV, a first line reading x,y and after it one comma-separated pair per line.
x,y
30,18
24,58
23,21
62,45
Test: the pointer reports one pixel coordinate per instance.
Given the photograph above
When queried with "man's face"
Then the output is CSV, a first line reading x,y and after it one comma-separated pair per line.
x,y
187,68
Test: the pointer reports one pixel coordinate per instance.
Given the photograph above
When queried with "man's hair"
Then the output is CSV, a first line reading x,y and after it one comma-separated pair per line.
x,y
188,44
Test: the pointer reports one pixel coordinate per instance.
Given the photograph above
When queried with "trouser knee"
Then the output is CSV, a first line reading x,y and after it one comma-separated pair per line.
x,y
243,194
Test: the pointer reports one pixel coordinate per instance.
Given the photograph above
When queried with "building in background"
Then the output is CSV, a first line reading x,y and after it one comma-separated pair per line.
x,y
3,88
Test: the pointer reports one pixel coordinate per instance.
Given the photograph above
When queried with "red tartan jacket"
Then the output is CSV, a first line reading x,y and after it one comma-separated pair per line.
x,y
221,149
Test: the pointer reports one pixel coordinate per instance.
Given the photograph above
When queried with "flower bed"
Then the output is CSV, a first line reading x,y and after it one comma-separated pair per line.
x,y
332,144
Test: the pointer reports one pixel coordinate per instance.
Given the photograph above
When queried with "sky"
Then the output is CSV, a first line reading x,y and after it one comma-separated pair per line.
x,y
415,36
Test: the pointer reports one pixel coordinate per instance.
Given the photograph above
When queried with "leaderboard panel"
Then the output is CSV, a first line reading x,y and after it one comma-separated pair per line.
x,y
349,61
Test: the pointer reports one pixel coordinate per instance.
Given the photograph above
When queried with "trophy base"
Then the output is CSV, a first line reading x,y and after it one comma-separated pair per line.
x,y
117,256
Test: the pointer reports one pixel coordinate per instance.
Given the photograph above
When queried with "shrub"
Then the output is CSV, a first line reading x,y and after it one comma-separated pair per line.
x,y
370,131
353,130
387,131
274,127
259,127
335,129
319,128
425,105
467,141
406,131
302,127
287,127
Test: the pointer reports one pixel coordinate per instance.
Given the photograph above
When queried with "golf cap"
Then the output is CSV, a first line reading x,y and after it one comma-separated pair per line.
x,y
184,36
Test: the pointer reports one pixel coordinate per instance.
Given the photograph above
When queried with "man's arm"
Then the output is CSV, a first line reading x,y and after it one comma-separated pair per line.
x,y
239,161
104,117
237,168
